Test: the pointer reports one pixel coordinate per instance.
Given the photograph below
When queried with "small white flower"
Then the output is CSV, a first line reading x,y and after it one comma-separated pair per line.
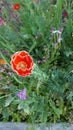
x,y
59,40
56,31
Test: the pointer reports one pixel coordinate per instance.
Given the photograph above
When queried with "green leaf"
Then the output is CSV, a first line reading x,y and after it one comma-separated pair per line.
x,y
57,111
9,100
21,106
70,96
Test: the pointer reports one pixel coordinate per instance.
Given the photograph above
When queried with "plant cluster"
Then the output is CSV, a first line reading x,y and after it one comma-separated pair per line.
x,y
44,29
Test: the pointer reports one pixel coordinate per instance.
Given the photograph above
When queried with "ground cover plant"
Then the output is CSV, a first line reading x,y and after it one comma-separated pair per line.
x,y
42,32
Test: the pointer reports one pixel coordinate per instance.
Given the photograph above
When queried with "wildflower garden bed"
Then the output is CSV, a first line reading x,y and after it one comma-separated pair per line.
x,y
36,61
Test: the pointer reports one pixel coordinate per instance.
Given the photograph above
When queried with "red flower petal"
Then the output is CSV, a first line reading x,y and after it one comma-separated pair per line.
x,y
22,63
24,73
28,61
23,53
16,6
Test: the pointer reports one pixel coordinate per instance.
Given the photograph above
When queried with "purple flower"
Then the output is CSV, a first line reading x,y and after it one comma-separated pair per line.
x,y
1,78
1,21
5,52
22,95
43,60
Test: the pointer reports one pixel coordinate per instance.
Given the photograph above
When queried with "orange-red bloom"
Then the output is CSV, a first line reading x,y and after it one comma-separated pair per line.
x,y
3,62
22,63
16,6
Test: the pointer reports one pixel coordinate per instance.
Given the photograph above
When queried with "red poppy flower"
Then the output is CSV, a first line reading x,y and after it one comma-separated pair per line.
x,y
22,63
16,6
65,13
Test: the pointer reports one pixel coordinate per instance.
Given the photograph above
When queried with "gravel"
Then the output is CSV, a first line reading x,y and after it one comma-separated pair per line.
x,y
25,126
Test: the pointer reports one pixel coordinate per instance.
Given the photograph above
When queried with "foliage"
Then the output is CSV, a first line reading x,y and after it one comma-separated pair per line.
x,y
42,30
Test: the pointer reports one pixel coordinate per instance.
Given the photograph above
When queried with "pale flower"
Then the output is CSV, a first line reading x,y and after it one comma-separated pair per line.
x,y
56,31
2,22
